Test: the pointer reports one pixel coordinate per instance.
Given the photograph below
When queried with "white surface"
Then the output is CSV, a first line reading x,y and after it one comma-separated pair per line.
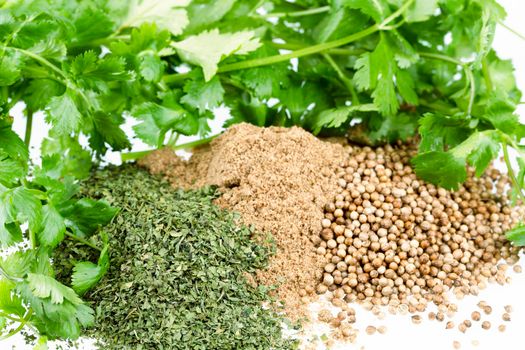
x,y
401,333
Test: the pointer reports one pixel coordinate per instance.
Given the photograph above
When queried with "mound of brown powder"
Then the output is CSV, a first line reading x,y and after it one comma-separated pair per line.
x,y
278,180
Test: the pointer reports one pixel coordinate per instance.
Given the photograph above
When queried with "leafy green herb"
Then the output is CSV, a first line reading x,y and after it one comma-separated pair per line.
x,y
395,68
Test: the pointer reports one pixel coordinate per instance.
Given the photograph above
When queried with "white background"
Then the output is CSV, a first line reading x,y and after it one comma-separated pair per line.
x,y
401,333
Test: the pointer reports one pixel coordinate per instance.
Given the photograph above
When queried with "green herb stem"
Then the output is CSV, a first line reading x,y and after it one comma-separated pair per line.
x,y
342,76
82,240
257,62
9,317
486,74
32,239
29,126
513,31
335,51
21,326
309,12
130,156
470,83
9,277
65,80
511,172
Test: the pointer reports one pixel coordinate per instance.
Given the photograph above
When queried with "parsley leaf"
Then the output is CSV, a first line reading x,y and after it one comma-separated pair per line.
x,y
208,48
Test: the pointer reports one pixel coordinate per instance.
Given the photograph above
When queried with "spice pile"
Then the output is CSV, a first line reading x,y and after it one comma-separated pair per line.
x,y
386,239
179,271
278,180
391,239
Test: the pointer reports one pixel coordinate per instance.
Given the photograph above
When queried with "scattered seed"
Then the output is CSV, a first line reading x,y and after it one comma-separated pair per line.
x,y
456,344
431,316
370,330
440,316
381,329
462,327
517,268
416,319
485,325
506,317
502,328
449,325
468,323
482,304
508,308
487,310
476,316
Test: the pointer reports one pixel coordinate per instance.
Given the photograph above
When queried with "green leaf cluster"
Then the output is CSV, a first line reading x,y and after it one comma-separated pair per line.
x,y
385,69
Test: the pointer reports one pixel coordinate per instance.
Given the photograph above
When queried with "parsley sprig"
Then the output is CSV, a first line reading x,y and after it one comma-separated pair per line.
x,y
378,70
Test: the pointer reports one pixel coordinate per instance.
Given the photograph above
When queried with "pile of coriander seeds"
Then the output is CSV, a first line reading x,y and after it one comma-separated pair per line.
x,y
391,239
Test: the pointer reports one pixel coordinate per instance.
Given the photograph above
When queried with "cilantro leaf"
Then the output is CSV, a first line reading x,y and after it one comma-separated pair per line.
x,y
376,9
167,14
203,95
157,120
151,67
421,10
208,48
106,130
44,286
11,63
439,132
479,149
334,118
10,303
517,235
86,216
86,274
11,171
440,168
12,144
63,113
24,205
53,227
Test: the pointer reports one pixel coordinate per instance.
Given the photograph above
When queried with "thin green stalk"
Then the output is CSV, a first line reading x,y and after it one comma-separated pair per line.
x,y
308,12
9,277
342,76
254,8
315,48
20,326
9,317
511,172
29,126
66,82
175,78
82,240
32,239
336,51
126,157
258,62
470,83
518,34
449,110
486,74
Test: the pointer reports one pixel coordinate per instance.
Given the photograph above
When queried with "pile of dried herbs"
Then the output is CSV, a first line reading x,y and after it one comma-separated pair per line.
x,y
178,275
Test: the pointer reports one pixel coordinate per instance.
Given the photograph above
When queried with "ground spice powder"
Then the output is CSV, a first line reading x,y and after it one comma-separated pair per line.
x,y
278,179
